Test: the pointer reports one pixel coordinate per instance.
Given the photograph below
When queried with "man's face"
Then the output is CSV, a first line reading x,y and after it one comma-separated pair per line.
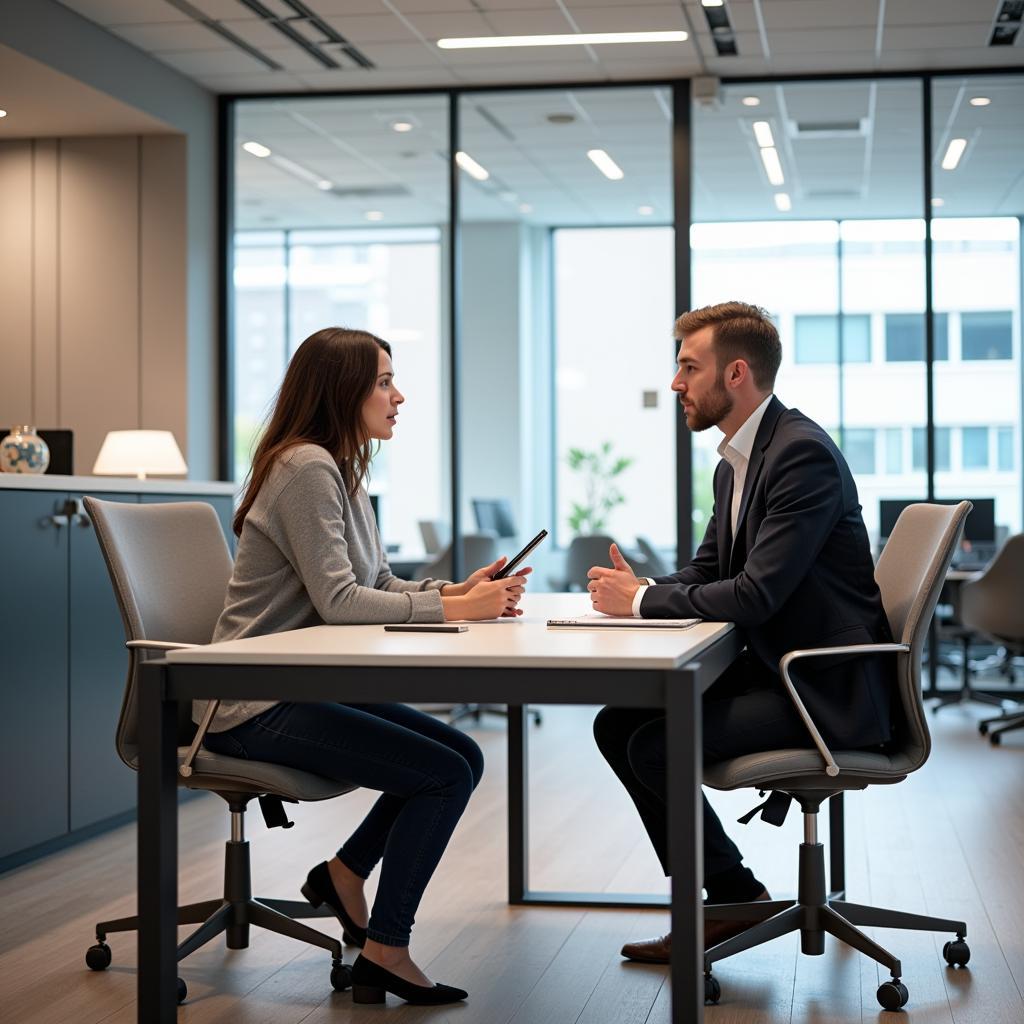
x,y
699,382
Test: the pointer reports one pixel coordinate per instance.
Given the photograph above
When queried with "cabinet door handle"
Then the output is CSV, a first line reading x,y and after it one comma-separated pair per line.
x,y
78,514
56,521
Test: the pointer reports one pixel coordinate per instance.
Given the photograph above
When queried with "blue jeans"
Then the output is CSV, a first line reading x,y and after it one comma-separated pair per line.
x,y
424,769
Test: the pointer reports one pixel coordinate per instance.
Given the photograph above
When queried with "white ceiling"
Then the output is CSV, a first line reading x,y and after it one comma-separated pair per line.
x,y
399,36
873,170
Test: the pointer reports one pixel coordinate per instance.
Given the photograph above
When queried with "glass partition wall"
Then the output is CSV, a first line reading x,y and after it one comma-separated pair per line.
x,y
808,197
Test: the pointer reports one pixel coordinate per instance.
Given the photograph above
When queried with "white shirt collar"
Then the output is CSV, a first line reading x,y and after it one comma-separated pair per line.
x,y
742,442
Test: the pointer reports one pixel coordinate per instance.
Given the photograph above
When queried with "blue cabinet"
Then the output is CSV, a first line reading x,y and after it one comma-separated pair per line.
x,y
63,667
33,669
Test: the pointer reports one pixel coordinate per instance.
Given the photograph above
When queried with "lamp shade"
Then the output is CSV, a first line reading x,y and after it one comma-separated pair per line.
x,y
139,453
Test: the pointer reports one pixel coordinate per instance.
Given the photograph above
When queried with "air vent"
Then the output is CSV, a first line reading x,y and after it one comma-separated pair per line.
x,y
720,27
369,191
828,129
1007,24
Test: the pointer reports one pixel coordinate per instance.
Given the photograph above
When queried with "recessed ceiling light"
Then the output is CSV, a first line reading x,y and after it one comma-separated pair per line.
x,y
712,3
772,165
605,164
471,167
525,208
979,101
782,202
3,113
954,151
401,126
938,201
324,185
645,211
373,215
256,148
751,101
763,134
568,39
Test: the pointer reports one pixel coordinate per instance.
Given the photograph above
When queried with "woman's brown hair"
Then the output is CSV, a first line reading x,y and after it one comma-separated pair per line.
x,y
320,401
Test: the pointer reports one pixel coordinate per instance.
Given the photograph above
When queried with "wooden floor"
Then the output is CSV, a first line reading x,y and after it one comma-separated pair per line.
x,y
949,840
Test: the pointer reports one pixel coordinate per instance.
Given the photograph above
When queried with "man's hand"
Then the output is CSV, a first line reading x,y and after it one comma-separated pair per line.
x,y
612,590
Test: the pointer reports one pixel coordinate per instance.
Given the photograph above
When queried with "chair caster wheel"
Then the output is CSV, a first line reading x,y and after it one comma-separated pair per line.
x,y
956,953
983,728
341,977
712,990
182,991
97,958
892,995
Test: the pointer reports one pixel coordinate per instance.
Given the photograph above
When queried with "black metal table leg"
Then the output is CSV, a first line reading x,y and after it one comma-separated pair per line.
x,y
518,805
157,849
684,741
837,847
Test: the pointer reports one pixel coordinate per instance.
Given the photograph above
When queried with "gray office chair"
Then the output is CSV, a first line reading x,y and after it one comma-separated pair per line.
x,y
435,534
583,552
477,549
652,563
910,573
170,566
993,604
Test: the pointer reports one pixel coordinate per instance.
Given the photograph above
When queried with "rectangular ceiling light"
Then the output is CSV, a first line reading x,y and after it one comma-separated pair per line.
x,y
954,151
763,134
471,167
605,164
256,148
568,39
772,165
782,202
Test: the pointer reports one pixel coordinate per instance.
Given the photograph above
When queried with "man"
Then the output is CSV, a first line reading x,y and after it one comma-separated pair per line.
x,y
786,558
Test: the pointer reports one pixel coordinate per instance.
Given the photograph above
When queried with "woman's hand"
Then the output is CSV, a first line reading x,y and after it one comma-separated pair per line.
x,y
486,599
483,573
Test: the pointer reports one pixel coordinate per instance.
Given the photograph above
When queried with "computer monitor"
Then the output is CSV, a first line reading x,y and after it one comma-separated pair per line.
x,y
980,527
494,515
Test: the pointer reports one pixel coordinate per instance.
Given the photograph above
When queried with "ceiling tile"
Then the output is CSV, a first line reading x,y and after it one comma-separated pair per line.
x,y
117,12
176,36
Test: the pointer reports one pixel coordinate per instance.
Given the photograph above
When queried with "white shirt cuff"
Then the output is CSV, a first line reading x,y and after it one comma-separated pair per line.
x,y
639,596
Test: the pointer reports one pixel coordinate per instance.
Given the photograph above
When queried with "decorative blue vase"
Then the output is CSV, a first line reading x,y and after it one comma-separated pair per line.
x,y
24,451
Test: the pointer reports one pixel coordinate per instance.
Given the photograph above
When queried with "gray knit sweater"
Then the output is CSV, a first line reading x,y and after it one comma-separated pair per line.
x,y
309,555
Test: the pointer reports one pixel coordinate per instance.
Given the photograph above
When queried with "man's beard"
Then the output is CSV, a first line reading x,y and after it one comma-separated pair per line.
x,y
712,411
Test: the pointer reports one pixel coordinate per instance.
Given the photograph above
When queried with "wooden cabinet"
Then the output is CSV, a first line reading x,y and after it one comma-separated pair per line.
x,y
63,666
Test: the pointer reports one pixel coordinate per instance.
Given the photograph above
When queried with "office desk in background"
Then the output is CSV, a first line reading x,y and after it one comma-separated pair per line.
x,y
512,661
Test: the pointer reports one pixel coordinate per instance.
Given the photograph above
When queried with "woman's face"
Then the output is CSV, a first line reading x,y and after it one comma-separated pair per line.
x,y
380,410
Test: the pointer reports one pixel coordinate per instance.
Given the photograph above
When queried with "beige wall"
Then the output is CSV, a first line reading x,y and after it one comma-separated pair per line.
x,y
93,286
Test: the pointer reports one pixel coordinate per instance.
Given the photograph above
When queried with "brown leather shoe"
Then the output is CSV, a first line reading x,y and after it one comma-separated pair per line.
x,y
659,950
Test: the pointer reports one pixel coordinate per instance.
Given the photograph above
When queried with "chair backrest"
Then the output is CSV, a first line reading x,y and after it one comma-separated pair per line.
x,y
994,603
435,535
478,549
653,565
910,574
170,566
584,552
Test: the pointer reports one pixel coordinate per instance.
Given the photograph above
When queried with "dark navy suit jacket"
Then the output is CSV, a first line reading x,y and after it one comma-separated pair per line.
x,y
799,575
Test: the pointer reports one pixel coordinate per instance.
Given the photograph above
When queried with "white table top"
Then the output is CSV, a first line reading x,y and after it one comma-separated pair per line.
x,y
524,642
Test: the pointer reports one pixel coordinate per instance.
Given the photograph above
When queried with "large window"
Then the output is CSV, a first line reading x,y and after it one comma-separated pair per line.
x,y
340,220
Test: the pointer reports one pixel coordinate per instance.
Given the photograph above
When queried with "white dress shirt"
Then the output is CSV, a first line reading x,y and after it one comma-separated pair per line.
x,y
736,451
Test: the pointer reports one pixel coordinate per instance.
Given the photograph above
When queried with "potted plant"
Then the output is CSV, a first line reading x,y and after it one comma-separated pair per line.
x,y
599,470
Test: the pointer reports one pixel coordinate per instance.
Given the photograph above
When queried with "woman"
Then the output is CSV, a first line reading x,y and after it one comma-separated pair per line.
x,y
309,553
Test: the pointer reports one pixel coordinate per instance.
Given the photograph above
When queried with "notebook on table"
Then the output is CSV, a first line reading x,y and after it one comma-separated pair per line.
x,y
598,621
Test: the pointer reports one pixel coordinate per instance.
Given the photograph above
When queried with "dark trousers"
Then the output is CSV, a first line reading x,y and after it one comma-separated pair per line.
x,y
424,769
745,711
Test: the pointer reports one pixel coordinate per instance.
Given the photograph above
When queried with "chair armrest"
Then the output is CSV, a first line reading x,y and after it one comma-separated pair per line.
x,y
185,769
156,645
831,768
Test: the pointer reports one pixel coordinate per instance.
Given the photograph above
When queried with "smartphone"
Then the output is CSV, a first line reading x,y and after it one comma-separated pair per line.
x,y
511,566
424,627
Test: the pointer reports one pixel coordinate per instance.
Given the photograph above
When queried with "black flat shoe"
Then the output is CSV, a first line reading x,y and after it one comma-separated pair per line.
x,y
319,889
371,983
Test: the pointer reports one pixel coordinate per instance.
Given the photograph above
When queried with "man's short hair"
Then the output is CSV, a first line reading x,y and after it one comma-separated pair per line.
x,y
741,331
